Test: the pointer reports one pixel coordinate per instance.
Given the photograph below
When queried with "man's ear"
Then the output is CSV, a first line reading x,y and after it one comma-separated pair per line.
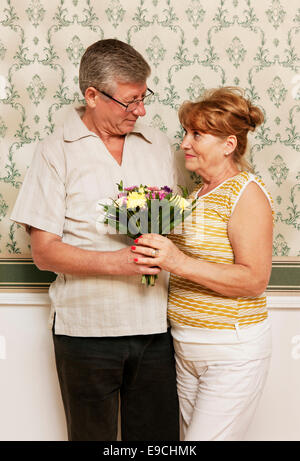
x,y
91,95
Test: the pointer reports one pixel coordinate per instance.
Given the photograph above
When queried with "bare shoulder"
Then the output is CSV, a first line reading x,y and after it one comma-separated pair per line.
x,y
253,212
253,198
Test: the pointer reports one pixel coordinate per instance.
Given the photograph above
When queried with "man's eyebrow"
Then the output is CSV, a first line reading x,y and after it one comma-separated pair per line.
x,y
137,97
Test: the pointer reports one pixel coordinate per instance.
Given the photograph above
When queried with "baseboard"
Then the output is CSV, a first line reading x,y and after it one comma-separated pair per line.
x,y
275,301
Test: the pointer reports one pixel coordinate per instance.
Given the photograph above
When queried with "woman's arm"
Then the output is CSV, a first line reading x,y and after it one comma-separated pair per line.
x,y
250,231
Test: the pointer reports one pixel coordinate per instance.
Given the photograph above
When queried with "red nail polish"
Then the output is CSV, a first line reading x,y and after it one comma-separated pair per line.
x,y
135,260
136,240
133,248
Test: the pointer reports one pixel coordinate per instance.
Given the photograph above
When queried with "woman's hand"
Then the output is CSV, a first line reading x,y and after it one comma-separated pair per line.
x,y
125,264
156,250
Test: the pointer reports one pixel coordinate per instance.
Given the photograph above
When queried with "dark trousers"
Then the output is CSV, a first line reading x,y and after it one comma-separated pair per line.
x,y
93,372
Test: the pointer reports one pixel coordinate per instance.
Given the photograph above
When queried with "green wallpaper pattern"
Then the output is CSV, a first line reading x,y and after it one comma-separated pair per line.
x,y
191,45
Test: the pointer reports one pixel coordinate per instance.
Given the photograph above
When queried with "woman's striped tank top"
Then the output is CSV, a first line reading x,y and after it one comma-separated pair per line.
x,y
204,236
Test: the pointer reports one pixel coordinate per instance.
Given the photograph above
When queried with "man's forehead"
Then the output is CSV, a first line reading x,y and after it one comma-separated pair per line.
x,y
130,89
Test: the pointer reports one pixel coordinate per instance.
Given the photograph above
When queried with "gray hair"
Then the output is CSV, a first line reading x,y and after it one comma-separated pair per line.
x,y
109,61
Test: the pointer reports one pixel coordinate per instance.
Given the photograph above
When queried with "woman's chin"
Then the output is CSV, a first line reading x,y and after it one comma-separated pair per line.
x,y
189,166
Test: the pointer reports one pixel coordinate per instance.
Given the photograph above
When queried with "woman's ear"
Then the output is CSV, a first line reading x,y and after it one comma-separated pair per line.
x,y
230,144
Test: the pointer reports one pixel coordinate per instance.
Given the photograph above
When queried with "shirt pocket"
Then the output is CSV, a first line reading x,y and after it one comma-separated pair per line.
x,y
80,228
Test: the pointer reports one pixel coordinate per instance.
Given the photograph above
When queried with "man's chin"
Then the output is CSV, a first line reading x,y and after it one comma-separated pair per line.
x,y
128,126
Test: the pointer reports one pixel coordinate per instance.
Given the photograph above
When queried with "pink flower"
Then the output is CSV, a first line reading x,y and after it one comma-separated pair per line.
x,y
161,194
131,188
154,188
122,194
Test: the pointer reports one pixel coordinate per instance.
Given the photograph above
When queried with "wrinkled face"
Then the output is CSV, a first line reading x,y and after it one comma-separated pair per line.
x,y
113,116
203,152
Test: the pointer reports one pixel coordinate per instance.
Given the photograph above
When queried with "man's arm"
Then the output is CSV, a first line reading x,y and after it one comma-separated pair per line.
x,y
51,254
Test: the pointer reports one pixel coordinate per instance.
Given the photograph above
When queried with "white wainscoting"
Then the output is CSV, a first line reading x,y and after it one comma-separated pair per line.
x,y
30,402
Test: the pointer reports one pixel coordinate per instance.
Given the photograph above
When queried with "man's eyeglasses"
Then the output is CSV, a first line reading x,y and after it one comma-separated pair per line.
x,y
131,105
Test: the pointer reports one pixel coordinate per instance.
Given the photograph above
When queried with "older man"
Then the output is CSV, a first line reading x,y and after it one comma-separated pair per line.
x,y
110,332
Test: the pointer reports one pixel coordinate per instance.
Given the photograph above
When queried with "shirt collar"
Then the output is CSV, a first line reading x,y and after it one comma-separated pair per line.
x,y
143,130
75,129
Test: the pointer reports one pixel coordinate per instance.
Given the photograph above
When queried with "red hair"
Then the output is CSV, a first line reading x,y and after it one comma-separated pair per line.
x,y
223,112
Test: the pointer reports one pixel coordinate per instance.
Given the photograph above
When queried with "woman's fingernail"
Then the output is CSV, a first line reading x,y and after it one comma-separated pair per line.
x,y
133,248
136,241
135,260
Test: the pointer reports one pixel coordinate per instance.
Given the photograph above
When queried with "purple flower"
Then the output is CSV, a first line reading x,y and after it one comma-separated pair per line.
x,y
167,189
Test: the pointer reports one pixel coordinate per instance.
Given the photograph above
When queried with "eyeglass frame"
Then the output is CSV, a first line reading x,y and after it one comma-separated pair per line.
x,y
136,101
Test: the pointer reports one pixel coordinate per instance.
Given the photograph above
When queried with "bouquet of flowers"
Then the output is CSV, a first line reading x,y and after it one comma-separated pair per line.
x,y
144,209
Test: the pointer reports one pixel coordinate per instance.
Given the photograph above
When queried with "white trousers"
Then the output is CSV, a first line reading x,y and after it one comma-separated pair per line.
x,y
218,399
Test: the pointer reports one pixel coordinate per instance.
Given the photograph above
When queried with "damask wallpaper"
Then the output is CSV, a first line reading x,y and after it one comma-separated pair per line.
x,y
191,45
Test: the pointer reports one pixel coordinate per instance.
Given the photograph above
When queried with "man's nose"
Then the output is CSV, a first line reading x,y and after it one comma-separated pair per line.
x,y
140,109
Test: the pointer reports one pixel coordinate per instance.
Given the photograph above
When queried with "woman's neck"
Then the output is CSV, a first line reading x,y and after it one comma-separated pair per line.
x,y
210,182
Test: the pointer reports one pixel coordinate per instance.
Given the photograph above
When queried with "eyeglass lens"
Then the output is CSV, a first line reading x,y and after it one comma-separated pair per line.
x,y
133,105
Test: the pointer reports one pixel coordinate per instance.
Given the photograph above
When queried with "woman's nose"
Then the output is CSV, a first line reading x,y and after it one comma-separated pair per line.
x,y
185,144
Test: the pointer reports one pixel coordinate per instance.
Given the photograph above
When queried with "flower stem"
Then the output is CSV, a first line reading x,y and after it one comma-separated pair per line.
x,y
149,280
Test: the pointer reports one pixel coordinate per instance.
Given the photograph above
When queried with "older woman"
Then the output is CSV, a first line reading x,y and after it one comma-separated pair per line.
x,y
220,266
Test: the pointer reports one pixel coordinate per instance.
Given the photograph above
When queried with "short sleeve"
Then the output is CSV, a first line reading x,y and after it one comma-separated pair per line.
x,y
41,201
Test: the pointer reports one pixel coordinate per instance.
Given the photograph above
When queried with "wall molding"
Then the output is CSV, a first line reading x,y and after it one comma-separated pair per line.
x,y
275,301
24,299
22,274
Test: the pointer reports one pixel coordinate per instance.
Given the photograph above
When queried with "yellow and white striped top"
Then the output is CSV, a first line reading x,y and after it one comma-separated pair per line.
x,y
204,236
